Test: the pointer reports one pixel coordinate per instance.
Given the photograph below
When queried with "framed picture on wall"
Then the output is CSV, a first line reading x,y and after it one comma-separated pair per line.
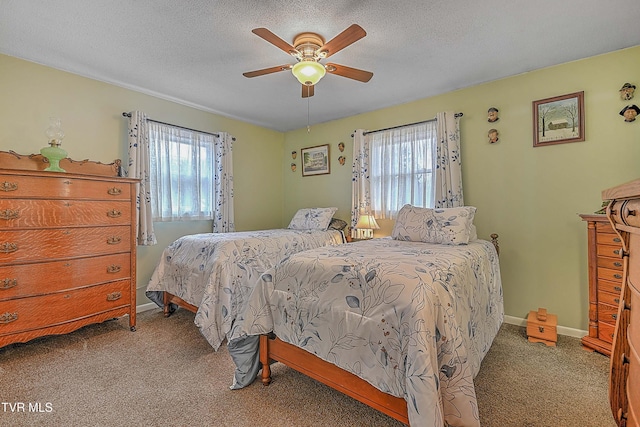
x,y
315,160
558,120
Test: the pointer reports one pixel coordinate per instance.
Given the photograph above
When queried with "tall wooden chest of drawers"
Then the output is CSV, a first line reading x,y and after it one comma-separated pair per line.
x,y
67,251
605,282
624,386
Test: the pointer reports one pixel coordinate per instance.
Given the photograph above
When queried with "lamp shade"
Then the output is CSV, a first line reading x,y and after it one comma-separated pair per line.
x,y
308,72
367,222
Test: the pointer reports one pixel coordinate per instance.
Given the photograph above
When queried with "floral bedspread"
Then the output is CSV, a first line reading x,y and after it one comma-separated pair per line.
x,y
216,271
413,319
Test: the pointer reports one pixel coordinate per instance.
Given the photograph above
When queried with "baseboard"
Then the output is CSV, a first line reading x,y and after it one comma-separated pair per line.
x,y
146,307
562,330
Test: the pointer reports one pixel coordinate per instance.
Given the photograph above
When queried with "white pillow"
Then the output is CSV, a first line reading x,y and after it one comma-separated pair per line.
x,y
455,225
312,219
415,224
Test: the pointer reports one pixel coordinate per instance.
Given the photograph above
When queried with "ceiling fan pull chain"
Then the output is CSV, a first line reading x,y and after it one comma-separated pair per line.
x,y
308,124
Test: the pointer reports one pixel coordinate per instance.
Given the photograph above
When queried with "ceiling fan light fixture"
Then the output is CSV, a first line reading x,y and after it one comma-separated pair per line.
x,y
308,72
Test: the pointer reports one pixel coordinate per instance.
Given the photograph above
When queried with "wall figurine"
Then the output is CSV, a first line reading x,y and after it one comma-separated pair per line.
x,y
294,154
293,167
492,114
630,112
493,136
342,160
626,91
341,146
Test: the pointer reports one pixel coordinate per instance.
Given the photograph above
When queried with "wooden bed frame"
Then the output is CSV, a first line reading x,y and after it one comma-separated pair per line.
x,y
274,349
168,299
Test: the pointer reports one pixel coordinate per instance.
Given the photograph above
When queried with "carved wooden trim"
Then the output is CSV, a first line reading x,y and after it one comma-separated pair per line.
x,y
12,160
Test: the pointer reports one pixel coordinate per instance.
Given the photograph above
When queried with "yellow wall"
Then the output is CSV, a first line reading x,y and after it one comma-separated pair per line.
x,y
530,196
91,115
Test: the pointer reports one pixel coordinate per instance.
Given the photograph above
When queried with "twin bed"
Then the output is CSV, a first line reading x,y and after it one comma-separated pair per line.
x,y
400,323
212,274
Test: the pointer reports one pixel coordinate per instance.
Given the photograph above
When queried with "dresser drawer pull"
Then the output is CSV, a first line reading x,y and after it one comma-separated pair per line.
x,y
8,318
9,214
114,240
114,296
9,186
8,247
617,288
617,264
614,316
114,268
617,276
114,191
631,212
113,213
8,283
616,239
617,252
616,300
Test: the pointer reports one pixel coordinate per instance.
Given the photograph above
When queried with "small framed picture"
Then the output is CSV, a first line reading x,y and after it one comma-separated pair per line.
x,y
558,120
315,160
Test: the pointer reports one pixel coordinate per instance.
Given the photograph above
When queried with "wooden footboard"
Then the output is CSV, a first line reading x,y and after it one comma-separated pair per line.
x,y
272,348
168,299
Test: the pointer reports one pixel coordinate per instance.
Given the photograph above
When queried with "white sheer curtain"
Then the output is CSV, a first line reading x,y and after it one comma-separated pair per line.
x,y
448,182
139,168
401,165
182,170
191,176
434,179
223,220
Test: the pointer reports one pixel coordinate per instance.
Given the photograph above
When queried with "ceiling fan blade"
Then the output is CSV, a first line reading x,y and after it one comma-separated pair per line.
x,y
264,71
307,91
342,40
274,40
348,72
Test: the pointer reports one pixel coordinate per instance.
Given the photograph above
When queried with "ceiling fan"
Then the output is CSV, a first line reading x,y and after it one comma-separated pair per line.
x,y
309,49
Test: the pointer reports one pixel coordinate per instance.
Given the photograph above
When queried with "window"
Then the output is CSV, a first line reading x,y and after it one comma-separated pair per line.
x,y
182,173
402,169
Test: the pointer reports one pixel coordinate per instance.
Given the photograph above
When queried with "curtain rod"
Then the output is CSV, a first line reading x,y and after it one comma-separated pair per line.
x,y
181,127
405,125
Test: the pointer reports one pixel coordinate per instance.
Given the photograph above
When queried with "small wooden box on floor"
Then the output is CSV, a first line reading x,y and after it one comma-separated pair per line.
x,y
542,327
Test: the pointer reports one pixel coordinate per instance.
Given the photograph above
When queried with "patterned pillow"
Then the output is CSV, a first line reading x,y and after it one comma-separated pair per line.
x,y
415,224
455,225
312,219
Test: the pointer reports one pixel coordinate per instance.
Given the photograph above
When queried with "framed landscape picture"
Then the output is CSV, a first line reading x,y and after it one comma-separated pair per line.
x,y
315,160
558,120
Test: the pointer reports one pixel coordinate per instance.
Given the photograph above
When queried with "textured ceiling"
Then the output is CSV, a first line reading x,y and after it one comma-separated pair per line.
x,y
195,51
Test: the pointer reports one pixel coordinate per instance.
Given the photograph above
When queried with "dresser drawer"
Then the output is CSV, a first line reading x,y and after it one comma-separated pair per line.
x,y
608,298
609,251
608,274
46,187
22,213
607,313
611,287
54,243
25,314
610,263
606,332
17,281
608,239
604,226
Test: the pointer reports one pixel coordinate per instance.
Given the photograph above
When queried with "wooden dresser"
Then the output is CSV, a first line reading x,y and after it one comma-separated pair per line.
x,y
605,282
67,248
624,388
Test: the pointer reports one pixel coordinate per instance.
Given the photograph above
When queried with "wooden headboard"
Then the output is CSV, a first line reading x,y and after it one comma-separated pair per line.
x,y
37,162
